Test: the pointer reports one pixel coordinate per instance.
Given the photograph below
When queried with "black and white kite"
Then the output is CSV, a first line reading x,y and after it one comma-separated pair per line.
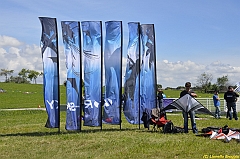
x,y
237,89
187,104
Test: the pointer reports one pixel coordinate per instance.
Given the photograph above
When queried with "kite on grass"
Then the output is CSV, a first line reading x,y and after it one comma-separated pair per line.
x,y
187,104
226,137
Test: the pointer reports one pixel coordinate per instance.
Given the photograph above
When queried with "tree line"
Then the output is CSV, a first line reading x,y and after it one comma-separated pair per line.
x,y
204,81
24,76
204,84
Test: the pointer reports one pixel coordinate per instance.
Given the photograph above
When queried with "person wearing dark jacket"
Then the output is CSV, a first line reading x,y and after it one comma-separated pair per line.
x,y
231,97
160,98
191,113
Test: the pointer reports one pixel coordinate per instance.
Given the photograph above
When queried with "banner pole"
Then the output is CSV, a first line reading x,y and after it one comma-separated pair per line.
x,y
120,89
58,76
155,67
101,101
81,82
139,67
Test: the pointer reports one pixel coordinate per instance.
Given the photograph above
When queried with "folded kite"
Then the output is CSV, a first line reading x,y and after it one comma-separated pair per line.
x,y
225,137
187,103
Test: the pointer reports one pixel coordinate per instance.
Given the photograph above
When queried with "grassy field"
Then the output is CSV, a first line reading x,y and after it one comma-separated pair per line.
x,y
31,95
23,135
25,95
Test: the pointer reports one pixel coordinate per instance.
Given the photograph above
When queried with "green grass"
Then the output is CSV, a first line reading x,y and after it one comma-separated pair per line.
x,y
31,95
25,95
176,93
23,135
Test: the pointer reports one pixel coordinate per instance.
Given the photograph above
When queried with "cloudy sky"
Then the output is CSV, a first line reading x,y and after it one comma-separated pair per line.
x,y
192,37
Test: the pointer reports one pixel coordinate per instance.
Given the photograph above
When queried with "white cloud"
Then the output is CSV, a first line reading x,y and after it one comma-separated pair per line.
x,y
17,55
9,41
173,74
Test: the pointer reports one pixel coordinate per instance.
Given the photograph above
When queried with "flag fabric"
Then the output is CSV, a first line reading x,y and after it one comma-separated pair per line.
x,y
148,68
113,69
131,83
71,41
92,56
49,49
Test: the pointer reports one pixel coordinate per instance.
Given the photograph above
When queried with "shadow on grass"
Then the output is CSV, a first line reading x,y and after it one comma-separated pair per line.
x,y
69,132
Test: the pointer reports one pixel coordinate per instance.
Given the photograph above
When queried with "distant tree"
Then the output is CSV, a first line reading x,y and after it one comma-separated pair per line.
x,y
41,74
23,74
222,82
16,79
32,75
204,81
5,72
159,86
65,83
215,87
180,87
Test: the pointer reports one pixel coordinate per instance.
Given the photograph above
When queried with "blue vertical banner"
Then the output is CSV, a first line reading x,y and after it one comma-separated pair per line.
x,y
148,68
113,69
92,62
49,49
71,41
131,84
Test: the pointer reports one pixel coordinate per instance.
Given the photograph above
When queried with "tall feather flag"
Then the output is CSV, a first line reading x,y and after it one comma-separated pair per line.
x,y
71,41
92,56
131,83
49,48
148,68
113,72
